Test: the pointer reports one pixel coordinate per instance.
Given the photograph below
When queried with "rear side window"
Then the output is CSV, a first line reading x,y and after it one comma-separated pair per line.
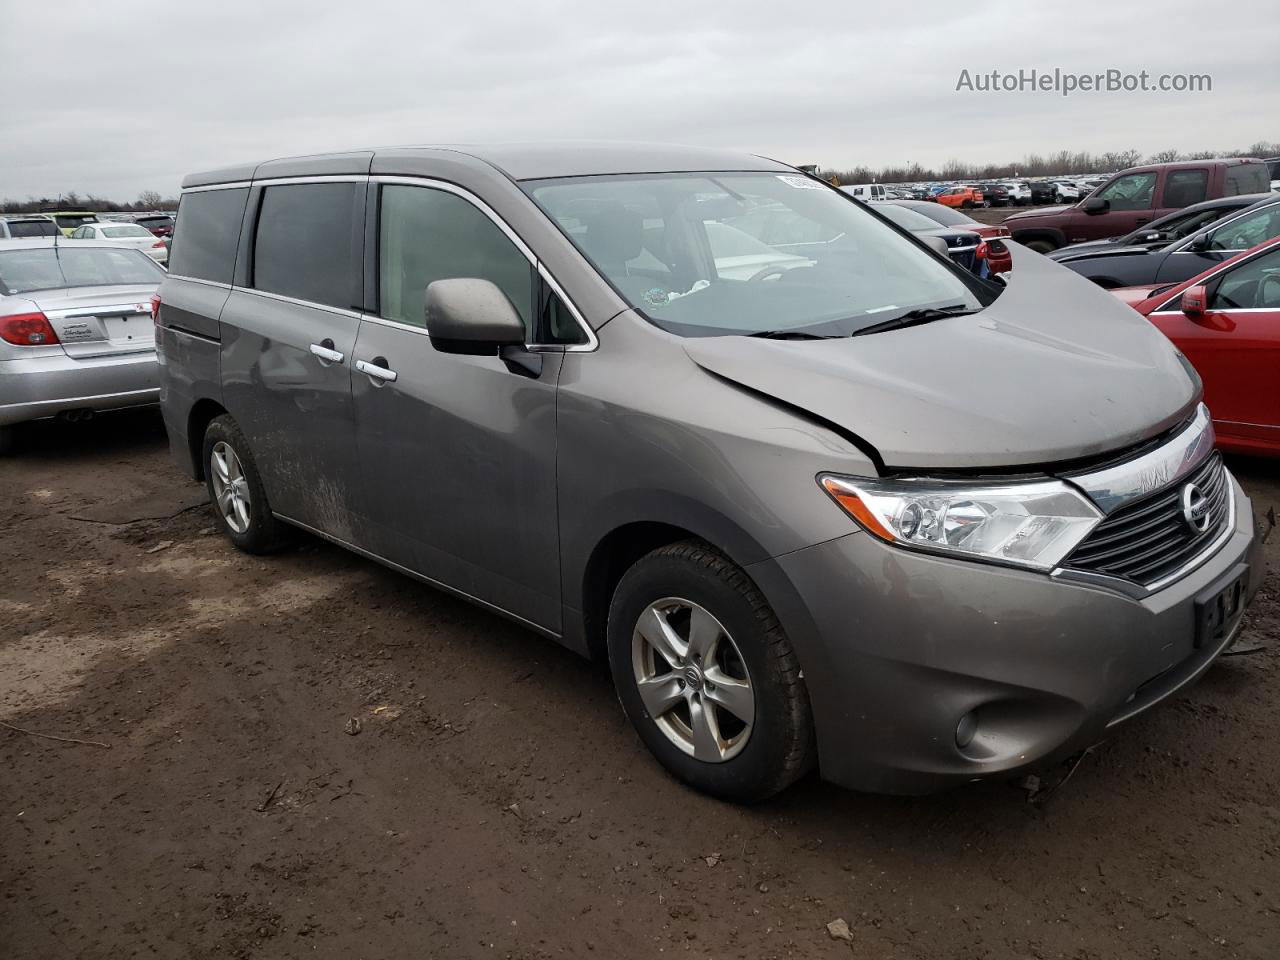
x,y
305,245
1243,178
1185,187
427,235
205,239
32,228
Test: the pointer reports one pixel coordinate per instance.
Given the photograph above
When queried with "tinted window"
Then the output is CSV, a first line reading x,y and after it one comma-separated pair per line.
x,y
427,235
66,265
1185,187
1242,178
32,228
70,220
1251,285
305,246
1131,192
204,243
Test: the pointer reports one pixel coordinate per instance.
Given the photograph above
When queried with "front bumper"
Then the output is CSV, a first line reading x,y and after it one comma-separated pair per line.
x,y
898,646
37,387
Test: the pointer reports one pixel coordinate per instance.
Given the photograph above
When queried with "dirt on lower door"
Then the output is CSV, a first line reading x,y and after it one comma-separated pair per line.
x,y
310,755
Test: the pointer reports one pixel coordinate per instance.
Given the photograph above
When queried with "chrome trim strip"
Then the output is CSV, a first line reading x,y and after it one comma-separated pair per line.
x,y
208,283
1114,487
205,188
328,308
325,178
440,585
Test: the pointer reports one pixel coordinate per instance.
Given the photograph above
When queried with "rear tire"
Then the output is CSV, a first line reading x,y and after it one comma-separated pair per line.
x,y
236,491
7,441
1040,246
683,594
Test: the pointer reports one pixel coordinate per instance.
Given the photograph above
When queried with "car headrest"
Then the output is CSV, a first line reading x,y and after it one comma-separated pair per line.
x,y
614,233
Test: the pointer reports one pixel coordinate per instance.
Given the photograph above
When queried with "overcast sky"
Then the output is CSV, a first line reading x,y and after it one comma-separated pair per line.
x,y
117,96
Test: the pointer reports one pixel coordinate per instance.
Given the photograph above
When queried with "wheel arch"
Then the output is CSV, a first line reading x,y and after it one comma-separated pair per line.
x,y
202,413
593,568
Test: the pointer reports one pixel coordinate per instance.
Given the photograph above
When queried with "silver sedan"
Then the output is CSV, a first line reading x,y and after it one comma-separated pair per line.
x,y
76,334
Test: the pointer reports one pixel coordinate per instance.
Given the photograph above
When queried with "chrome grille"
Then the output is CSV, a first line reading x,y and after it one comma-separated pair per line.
x,y
1151,539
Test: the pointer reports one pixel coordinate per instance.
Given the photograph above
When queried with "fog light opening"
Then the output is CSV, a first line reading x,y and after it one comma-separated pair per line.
x,y
967,729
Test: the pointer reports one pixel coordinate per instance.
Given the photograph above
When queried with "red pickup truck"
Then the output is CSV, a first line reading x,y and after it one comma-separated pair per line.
x,y
1136,196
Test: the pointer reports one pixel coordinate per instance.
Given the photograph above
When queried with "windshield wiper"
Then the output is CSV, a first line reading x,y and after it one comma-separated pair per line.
x,y
915,317
791,335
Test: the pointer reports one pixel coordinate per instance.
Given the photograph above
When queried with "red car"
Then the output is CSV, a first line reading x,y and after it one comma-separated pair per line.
x,y
1227,323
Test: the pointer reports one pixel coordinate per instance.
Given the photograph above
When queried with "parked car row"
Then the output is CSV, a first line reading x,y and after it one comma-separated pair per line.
x,y
69,221
1135,197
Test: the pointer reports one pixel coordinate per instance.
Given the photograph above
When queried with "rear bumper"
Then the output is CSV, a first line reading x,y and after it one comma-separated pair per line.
x,y
38,387
898,647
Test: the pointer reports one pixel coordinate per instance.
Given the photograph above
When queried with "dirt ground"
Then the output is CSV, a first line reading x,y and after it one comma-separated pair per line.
x,y
493,802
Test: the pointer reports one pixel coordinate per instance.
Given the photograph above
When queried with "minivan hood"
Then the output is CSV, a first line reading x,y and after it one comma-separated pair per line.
x,y
1055,370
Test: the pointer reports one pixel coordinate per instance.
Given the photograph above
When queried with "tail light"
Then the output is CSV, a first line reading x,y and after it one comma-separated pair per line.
x,y
981,252
155,307
159,244
27,330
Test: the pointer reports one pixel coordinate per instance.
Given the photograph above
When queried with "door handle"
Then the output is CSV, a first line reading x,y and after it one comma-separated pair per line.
x,y
324,350
377,369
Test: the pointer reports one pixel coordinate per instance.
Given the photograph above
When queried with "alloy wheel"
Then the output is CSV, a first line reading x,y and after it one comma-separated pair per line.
x,y
693,680
230,487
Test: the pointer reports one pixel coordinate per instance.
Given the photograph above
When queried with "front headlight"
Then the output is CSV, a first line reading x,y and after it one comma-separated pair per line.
x,y
1029,524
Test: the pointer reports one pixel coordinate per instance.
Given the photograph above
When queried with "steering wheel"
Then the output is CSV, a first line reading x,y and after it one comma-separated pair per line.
x,y
766,272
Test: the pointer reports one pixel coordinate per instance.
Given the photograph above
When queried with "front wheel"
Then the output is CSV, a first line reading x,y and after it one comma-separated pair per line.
x,y
235,487
707,676
1040,246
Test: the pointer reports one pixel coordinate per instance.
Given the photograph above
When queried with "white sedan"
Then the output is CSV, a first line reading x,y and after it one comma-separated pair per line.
x,y
128,235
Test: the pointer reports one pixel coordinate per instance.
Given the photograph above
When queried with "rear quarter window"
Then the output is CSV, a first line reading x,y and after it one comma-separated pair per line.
x,y
32,228
1243,178
205,239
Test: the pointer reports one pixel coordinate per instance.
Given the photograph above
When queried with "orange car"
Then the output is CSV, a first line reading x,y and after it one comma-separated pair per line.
x,y
960,197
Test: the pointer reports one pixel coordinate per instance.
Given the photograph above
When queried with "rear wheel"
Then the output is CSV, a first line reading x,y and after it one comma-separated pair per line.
x,y
235,487
707,676
7,441
1039,246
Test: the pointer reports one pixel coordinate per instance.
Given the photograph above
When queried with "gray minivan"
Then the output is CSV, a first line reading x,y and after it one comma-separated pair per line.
x,y
819,497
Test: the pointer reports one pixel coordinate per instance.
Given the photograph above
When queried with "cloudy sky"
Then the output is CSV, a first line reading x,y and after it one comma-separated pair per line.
x,y
117,96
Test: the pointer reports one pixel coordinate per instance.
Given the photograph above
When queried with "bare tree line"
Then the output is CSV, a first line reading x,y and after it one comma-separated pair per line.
x,y
71,200
1032,165
1037,165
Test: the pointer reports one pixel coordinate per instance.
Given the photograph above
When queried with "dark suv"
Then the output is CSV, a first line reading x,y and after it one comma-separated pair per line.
x,y
1135,197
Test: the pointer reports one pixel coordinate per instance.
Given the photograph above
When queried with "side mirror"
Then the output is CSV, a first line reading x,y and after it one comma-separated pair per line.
x,y
469,315
1199,242
1095,205
1194,300
937,244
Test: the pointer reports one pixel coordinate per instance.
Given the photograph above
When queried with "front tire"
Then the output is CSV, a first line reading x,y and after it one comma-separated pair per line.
x,y
235,488
7,440
707,676
1040,246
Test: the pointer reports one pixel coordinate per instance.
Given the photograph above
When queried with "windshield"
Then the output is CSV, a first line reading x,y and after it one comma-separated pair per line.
x,y
69,220
49,268
125,230
710,254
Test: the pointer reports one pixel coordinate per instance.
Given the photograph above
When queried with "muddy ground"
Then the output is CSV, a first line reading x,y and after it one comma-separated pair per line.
x,y
494,803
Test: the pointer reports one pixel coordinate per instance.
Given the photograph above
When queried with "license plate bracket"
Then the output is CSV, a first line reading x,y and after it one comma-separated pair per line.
x,y
1220,606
